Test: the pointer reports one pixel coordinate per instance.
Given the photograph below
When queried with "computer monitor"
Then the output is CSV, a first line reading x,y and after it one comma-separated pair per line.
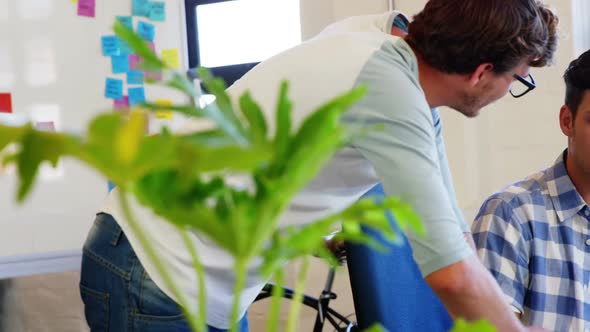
x,y
231,36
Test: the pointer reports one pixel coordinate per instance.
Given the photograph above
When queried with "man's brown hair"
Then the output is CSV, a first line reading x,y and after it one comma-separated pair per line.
x,y
456,36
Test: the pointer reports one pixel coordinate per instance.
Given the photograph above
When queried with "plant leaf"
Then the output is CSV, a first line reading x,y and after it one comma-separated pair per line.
x,y
183,84
376,328
150,61
308,239
283,126
255,117
9,135
183,109
317,140
477,326
129,137
221,112
211,138
35,148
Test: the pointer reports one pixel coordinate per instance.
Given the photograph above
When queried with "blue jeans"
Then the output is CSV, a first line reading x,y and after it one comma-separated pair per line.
x,y
118,294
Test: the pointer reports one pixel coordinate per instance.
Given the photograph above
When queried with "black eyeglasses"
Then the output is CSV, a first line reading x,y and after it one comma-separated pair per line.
x,y
528,84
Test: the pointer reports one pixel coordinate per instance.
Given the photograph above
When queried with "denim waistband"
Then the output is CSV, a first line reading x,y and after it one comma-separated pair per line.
x,y
107,223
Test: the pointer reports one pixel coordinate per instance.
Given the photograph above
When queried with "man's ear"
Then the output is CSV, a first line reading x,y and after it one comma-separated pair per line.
x,y
566,121
480,74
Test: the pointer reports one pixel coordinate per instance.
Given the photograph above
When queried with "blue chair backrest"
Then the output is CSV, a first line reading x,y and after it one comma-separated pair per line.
x,y
388,288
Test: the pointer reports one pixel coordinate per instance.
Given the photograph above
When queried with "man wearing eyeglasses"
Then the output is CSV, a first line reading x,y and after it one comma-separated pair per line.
x,y
463,54
525,85
534,236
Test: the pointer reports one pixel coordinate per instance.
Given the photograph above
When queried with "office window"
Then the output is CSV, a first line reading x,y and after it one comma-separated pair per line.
x,y
232,36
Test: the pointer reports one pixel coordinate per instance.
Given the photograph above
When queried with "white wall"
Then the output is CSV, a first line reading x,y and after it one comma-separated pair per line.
x,y
46,41
581,9
54,61
316,14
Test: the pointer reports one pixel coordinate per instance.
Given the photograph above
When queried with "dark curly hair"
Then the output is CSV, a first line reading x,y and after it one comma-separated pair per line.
x,y
577,81
456,36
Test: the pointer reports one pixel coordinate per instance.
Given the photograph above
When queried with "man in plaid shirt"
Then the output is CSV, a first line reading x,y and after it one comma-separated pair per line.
x,y
534,236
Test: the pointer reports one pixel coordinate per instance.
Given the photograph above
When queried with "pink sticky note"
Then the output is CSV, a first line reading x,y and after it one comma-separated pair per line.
x,y
152,46
45,125
86,8
122,103
134,61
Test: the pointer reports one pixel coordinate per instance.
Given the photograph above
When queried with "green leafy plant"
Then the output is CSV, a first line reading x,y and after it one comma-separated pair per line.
x,y
184,182
478,326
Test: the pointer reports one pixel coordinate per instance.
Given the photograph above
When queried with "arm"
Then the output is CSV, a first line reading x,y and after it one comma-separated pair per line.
x,y
469,291
503,250
405,158
447,178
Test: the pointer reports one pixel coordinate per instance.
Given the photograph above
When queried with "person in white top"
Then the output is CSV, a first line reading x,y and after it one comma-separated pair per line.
x,y
458,53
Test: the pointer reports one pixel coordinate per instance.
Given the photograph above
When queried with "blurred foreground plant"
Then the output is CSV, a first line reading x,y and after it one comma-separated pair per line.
x,y
182,177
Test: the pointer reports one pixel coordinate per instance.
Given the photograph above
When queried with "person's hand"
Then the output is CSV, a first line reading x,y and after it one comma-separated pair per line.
x,y
337,247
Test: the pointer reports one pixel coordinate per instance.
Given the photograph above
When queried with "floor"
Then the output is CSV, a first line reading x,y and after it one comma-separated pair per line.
x,y
51,302
45,303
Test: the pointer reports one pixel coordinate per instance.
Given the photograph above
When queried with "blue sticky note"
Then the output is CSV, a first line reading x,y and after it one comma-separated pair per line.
x,y
120,64
110,45
134,77
146,30
140,8
127,21
136,96
158,11
113,88
124,48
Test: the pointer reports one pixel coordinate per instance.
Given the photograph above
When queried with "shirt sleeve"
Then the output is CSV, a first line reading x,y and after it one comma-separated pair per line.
x,y
502,249
404,155
445,171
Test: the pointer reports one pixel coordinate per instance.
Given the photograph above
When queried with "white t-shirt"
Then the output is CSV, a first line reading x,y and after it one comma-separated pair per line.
x,y
407,157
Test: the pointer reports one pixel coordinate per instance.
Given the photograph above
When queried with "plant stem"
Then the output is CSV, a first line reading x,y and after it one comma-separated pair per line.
x,y
298,296
240,270
275,305
153,256
200,274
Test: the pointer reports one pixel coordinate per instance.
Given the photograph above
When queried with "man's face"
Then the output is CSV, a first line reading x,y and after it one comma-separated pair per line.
x,y
579,136
490,88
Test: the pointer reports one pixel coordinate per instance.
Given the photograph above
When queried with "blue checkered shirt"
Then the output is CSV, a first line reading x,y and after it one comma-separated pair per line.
x,y
534,238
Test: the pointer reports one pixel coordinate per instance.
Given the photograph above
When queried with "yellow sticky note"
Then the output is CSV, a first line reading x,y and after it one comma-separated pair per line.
x,y
170,58
164,114
74,0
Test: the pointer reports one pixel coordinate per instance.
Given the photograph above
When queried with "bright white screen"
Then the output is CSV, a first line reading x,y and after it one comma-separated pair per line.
x,y
243,31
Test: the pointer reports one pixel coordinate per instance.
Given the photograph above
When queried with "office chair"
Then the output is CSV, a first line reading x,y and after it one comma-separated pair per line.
x,y
388,287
